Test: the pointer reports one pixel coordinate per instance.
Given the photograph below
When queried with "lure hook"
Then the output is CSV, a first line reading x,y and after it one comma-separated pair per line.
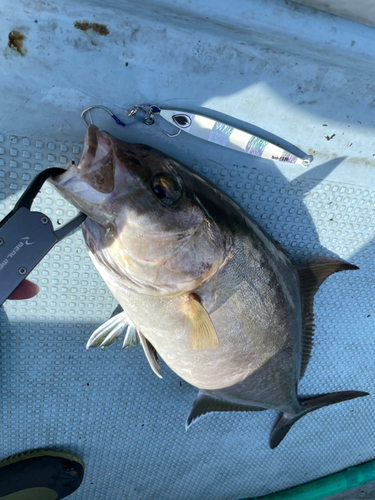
x,y
87,110
173,135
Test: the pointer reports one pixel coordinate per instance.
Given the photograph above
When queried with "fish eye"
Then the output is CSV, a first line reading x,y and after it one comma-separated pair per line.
x,y
166,187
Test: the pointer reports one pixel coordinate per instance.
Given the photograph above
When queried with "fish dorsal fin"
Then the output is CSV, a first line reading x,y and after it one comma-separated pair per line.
x,y
205,403
108,332
202,333
151,354
311,276
283,249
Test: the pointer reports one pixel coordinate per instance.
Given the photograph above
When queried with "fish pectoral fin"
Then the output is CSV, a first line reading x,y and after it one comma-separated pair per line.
x,y
202,333
311,276
108,332
205,404
286,420
151,354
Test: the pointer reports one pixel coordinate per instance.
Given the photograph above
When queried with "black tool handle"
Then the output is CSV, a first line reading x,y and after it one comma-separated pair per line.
x,y
26,237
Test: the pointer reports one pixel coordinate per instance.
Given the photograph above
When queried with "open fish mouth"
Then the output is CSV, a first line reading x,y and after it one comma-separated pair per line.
x,y
96,166
90,184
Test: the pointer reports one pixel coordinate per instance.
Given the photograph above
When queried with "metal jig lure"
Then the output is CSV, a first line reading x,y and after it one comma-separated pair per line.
x,y
219,133
209,130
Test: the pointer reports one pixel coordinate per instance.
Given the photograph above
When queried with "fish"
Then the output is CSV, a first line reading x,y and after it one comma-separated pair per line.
x,y
201,285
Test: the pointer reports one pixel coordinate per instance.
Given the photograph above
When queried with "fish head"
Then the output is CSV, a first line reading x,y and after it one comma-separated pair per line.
x,y
145,218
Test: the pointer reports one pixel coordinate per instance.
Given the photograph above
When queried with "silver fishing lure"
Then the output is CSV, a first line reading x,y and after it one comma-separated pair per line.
x,y
220,133
210,130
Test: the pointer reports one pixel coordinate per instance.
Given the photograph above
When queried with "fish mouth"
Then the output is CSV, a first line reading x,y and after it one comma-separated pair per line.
x,y
96,166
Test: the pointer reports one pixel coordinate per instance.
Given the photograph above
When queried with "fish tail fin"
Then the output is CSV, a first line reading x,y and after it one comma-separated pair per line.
x,y
286,420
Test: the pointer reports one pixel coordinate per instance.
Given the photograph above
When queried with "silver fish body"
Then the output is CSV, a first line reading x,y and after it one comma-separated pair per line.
x,y
173,248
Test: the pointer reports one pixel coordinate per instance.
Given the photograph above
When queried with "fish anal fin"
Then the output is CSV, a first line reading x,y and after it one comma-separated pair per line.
x,y
311,276
205,404
202,333
286,420
151,354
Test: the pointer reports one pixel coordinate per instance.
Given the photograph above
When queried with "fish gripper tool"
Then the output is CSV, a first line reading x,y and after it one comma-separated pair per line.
x,y
27,236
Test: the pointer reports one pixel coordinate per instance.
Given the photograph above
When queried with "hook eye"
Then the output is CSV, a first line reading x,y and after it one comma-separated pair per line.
x,y
148,121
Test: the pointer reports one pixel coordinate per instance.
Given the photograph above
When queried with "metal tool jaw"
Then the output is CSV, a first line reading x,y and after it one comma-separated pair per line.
x,y
26,236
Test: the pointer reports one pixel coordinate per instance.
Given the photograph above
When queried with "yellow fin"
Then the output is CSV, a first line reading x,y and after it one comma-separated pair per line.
x,y
202,334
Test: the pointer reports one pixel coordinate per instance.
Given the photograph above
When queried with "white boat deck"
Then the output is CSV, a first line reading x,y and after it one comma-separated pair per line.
x,y
290,73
